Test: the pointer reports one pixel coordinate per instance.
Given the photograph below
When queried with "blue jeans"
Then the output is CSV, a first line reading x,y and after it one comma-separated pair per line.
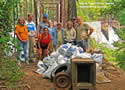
x,y
24,48
84,44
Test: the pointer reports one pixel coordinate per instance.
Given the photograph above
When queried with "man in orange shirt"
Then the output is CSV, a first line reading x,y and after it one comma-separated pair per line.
x,y
22,35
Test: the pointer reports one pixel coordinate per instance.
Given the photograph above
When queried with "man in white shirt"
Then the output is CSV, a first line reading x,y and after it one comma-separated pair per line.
x,y
32,33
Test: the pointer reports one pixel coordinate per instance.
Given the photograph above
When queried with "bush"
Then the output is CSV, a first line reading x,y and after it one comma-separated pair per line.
x,y
9,72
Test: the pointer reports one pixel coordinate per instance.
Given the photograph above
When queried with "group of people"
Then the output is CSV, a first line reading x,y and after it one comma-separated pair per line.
x,y
47,37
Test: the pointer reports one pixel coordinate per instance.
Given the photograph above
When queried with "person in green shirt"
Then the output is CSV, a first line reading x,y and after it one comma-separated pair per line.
x,y
82,33
69,33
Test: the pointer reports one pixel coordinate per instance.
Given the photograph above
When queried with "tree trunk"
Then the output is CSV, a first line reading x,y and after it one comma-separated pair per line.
x,y
72,11
30,6
35,10
25,9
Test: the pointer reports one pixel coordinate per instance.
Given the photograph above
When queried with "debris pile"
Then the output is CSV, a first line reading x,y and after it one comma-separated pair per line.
x,y
59,61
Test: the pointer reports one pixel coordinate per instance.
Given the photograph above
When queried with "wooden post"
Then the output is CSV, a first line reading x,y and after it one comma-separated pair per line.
x,y
35,10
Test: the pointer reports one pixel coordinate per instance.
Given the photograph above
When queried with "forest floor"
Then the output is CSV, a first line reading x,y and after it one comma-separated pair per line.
x,y
37,82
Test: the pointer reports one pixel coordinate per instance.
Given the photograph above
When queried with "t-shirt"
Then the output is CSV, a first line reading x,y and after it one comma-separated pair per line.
x,y
22,31
41,25
81,31
59,36
31,28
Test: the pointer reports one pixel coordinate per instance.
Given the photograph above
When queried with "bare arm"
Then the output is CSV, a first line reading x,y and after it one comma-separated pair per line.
x,y
91,31
39,39
49,43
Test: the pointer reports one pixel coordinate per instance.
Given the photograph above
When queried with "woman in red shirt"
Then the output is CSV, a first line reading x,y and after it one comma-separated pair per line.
x,y
44,43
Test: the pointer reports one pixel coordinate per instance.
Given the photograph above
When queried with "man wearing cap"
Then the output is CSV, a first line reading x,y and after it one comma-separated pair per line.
x,y
75,24
74,21
83,34
42,24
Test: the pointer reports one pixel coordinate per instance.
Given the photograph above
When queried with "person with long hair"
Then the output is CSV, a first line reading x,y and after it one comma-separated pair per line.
x,y
21,32
69,33
44,43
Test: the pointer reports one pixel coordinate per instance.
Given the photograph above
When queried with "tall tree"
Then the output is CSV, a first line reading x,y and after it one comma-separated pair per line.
x,y
72,11
30,6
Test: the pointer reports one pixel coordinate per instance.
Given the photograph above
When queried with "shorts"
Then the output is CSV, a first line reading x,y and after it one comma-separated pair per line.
x,y
43,47
84,44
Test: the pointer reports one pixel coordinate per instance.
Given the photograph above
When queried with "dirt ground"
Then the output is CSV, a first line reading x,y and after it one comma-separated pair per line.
x,y
37,82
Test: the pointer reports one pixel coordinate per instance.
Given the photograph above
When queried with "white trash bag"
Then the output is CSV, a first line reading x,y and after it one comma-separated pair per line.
x,y
60,59
98,58
54,54
63,48
83,55
41,67
48,72
46,60
71,51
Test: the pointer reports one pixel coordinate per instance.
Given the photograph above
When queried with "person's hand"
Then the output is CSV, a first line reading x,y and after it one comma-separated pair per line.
x,y
85,37
24,41
31,32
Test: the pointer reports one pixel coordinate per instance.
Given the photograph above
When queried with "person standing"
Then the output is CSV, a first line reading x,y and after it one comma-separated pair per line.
x,y
42,24
83,34
74,21
75,24
69,33
21,32
58,36
32,33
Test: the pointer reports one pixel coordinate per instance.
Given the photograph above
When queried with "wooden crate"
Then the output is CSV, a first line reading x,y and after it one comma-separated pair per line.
x,y
83,74
83,86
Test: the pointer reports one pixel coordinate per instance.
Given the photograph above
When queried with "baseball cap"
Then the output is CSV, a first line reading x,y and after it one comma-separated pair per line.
x,y
45,15
73,18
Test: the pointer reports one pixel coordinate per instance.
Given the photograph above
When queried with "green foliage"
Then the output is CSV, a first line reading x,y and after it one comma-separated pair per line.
x,y
9,70
109,54
91,9
121,16
118,11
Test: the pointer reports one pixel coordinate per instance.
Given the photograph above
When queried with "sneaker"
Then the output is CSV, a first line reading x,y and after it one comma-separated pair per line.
x,y
33,60
27,62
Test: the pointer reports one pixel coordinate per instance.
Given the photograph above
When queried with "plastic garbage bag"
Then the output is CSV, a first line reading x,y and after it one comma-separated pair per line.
x,y
67,60
61,59
41,67
98,58
83,55
46,60
80,50
54,54
63,49
51,60
71,51
39,71
48,72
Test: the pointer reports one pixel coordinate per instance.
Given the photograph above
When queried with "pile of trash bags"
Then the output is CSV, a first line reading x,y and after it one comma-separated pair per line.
x,y
61,59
